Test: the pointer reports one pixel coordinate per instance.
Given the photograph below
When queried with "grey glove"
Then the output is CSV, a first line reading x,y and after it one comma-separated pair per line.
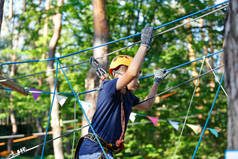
x,y
160,74
146,36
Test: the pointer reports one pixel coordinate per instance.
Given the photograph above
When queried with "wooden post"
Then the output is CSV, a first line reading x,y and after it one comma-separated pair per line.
x,y
12,85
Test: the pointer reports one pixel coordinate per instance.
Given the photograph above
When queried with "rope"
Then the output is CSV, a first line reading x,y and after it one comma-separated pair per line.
x,y
75,130
180,84
216,78
72,149
178,66
38,73
86,61
193,14
192,20
191,100
138,115
32,148
194,154
52,103
43,133
137,34
83,111
142,77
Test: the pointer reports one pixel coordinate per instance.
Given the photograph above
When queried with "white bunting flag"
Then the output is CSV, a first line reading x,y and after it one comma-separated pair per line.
x,y
61,99
196,128
174,124
85,105
132,117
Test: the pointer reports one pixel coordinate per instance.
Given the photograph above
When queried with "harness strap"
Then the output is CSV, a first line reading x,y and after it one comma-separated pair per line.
x,y
76,154
107,146
120,141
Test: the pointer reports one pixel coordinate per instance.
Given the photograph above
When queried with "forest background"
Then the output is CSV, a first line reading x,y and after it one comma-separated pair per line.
x,y
23,37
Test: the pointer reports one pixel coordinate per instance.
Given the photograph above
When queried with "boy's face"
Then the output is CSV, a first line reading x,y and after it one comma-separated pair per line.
x,y
133,85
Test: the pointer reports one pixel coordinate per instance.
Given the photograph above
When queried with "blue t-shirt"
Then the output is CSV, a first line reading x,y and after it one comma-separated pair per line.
x,y
107,118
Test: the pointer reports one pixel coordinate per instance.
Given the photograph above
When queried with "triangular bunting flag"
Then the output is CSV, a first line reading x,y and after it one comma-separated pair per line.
x,y
132,117
61,99
85,105
35,93
213,131
9,90
196,128
153,119
174,124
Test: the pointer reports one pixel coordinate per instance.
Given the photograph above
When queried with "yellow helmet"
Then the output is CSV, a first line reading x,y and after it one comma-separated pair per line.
x,y
119,61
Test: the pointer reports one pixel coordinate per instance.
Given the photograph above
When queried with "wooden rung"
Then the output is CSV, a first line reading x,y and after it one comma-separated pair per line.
x,y
12,85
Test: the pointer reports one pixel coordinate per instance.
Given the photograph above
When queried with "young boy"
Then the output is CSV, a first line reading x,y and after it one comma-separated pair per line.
x,y
115,102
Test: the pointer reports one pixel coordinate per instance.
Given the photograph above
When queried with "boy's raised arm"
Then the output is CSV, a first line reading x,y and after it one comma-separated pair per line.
x,y
138,59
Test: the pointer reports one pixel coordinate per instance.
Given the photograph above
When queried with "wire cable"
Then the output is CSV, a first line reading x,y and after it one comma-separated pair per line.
x,y
142,77
137,34
205,126
32,148
75,130
216,78
72,149
180,84
83,111
52,104
190,104
87,61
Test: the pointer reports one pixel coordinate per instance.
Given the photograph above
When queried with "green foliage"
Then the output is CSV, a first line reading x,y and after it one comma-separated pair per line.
x,y
168,50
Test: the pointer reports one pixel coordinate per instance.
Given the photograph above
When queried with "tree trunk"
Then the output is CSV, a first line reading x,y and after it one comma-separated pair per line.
x,y
208,63
101,35
40,81
192,57
1,13
231,72
40,130
12,115
45,30
10,9
45,35
55,118
12,74
211,42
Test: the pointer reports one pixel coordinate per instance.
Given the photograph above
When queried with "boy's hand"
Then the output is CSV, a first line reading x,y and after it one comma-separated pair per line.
x,y
146,36
160,74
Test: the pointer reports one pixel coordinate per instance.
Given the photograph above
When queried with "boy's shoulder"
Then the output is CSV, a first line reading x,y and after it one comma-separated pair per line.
x,y
109,87
109,82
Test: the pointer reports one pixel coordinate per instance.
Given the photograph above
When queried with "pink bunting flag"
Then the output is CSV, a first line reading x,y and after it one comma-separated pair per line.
x,y
35,95
153,119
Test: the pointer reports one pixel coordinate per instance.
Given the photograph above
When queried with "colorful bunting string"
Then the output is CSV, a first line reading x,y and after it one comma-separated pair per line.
x,y
196,128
